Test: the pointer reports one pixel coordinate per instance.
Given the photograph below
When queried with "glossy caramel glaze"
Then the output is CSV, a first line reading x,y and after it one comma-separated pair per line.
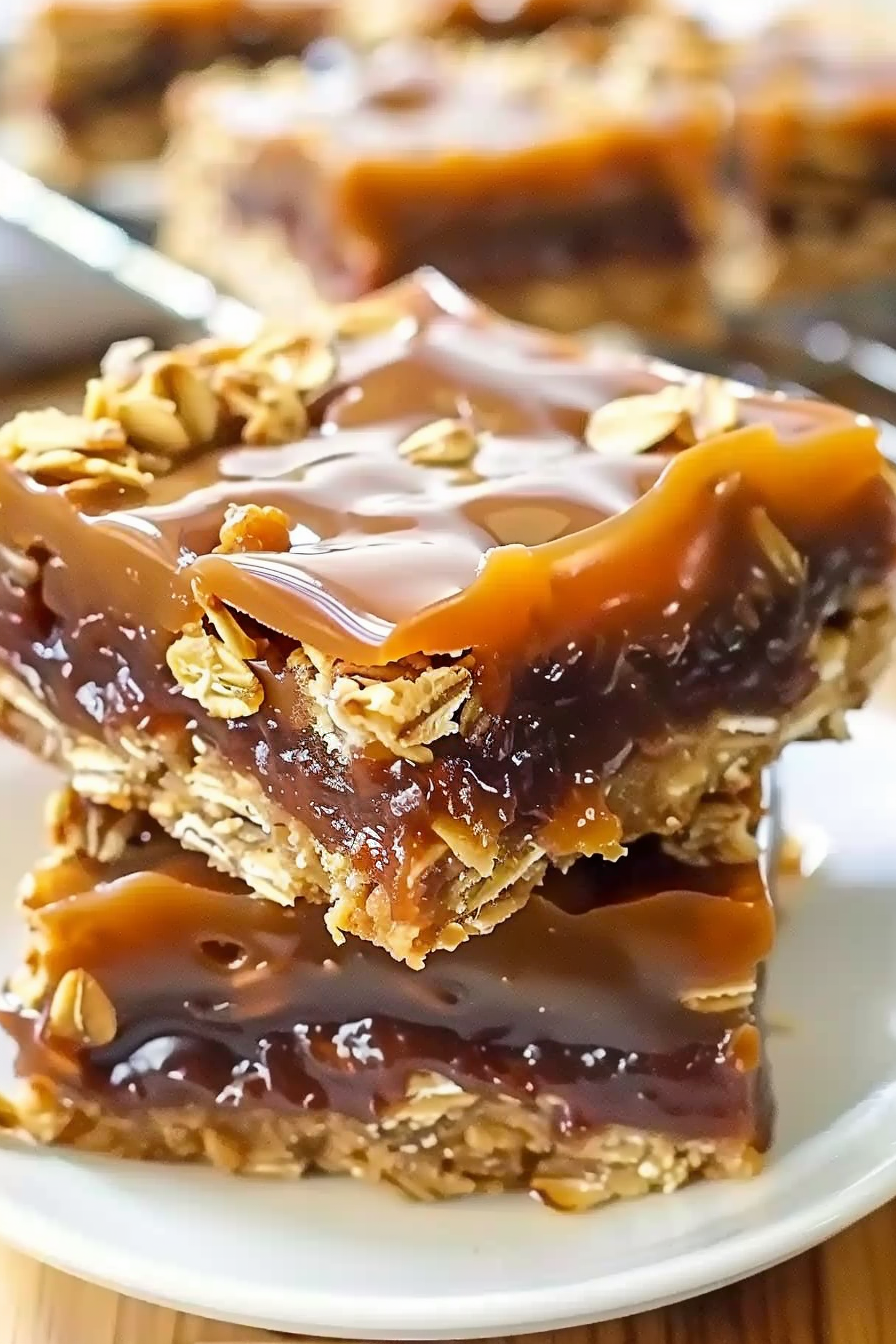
x,y
576,583
222,998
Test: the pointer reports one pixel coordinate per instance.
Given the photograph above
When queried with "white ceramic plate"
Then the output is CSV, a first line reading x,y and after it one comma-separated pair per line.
x,y
331,1256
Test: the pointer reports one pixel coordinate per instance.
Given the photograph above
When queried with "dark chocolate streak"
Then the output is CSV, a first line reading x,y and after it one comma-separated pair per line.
x,y
225,999
609,605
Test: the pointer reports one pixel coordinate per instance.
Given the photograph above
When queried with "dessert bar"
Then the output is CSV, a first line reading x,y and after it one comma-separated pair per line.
x,y
559,191
816,146
390,612
87,78
602,1044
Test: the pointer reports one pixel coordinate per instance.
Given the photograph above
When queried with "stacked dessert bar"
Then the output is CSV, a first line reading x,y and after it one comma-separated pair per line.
x,y
558,189
414,674
602,1043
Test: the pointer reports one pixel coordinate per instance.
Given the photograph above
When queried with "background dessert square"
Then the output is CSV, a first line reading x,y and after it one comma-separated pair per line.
x,y
561,188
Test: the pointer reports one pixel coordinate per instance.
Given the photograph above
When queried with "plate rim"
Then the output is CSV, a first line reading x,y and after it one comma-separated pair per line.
x,y
639,1288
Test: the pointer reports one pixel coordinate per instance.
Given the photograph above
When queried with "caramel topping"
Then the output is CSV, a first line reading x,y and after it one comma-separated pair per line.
x,y
583,824
549,538
519,561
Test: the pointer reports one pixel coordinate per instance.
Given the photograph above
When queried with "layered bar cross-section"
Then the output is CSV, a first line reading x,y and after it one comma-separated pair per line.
x,y
603,1044
466,600
816,145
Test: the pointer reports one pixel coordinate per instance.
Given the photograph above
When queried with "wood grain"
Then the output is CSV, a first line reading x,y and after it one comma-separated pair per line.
x,y
842,1293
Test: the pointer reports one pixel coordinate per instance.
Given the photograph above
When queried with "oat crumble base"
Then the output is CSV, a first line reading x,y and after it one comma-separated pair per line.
x,y
440,1142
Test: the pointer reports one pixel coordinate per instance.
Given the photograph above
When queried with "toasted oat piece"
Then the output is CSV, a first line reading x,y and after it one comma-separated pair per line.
x,y
560,189
465,600
499,1066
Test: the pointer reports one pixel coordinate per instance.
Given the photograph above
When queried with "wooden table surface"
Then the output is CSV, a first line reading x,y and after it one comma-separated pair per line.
x,y
844,1292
